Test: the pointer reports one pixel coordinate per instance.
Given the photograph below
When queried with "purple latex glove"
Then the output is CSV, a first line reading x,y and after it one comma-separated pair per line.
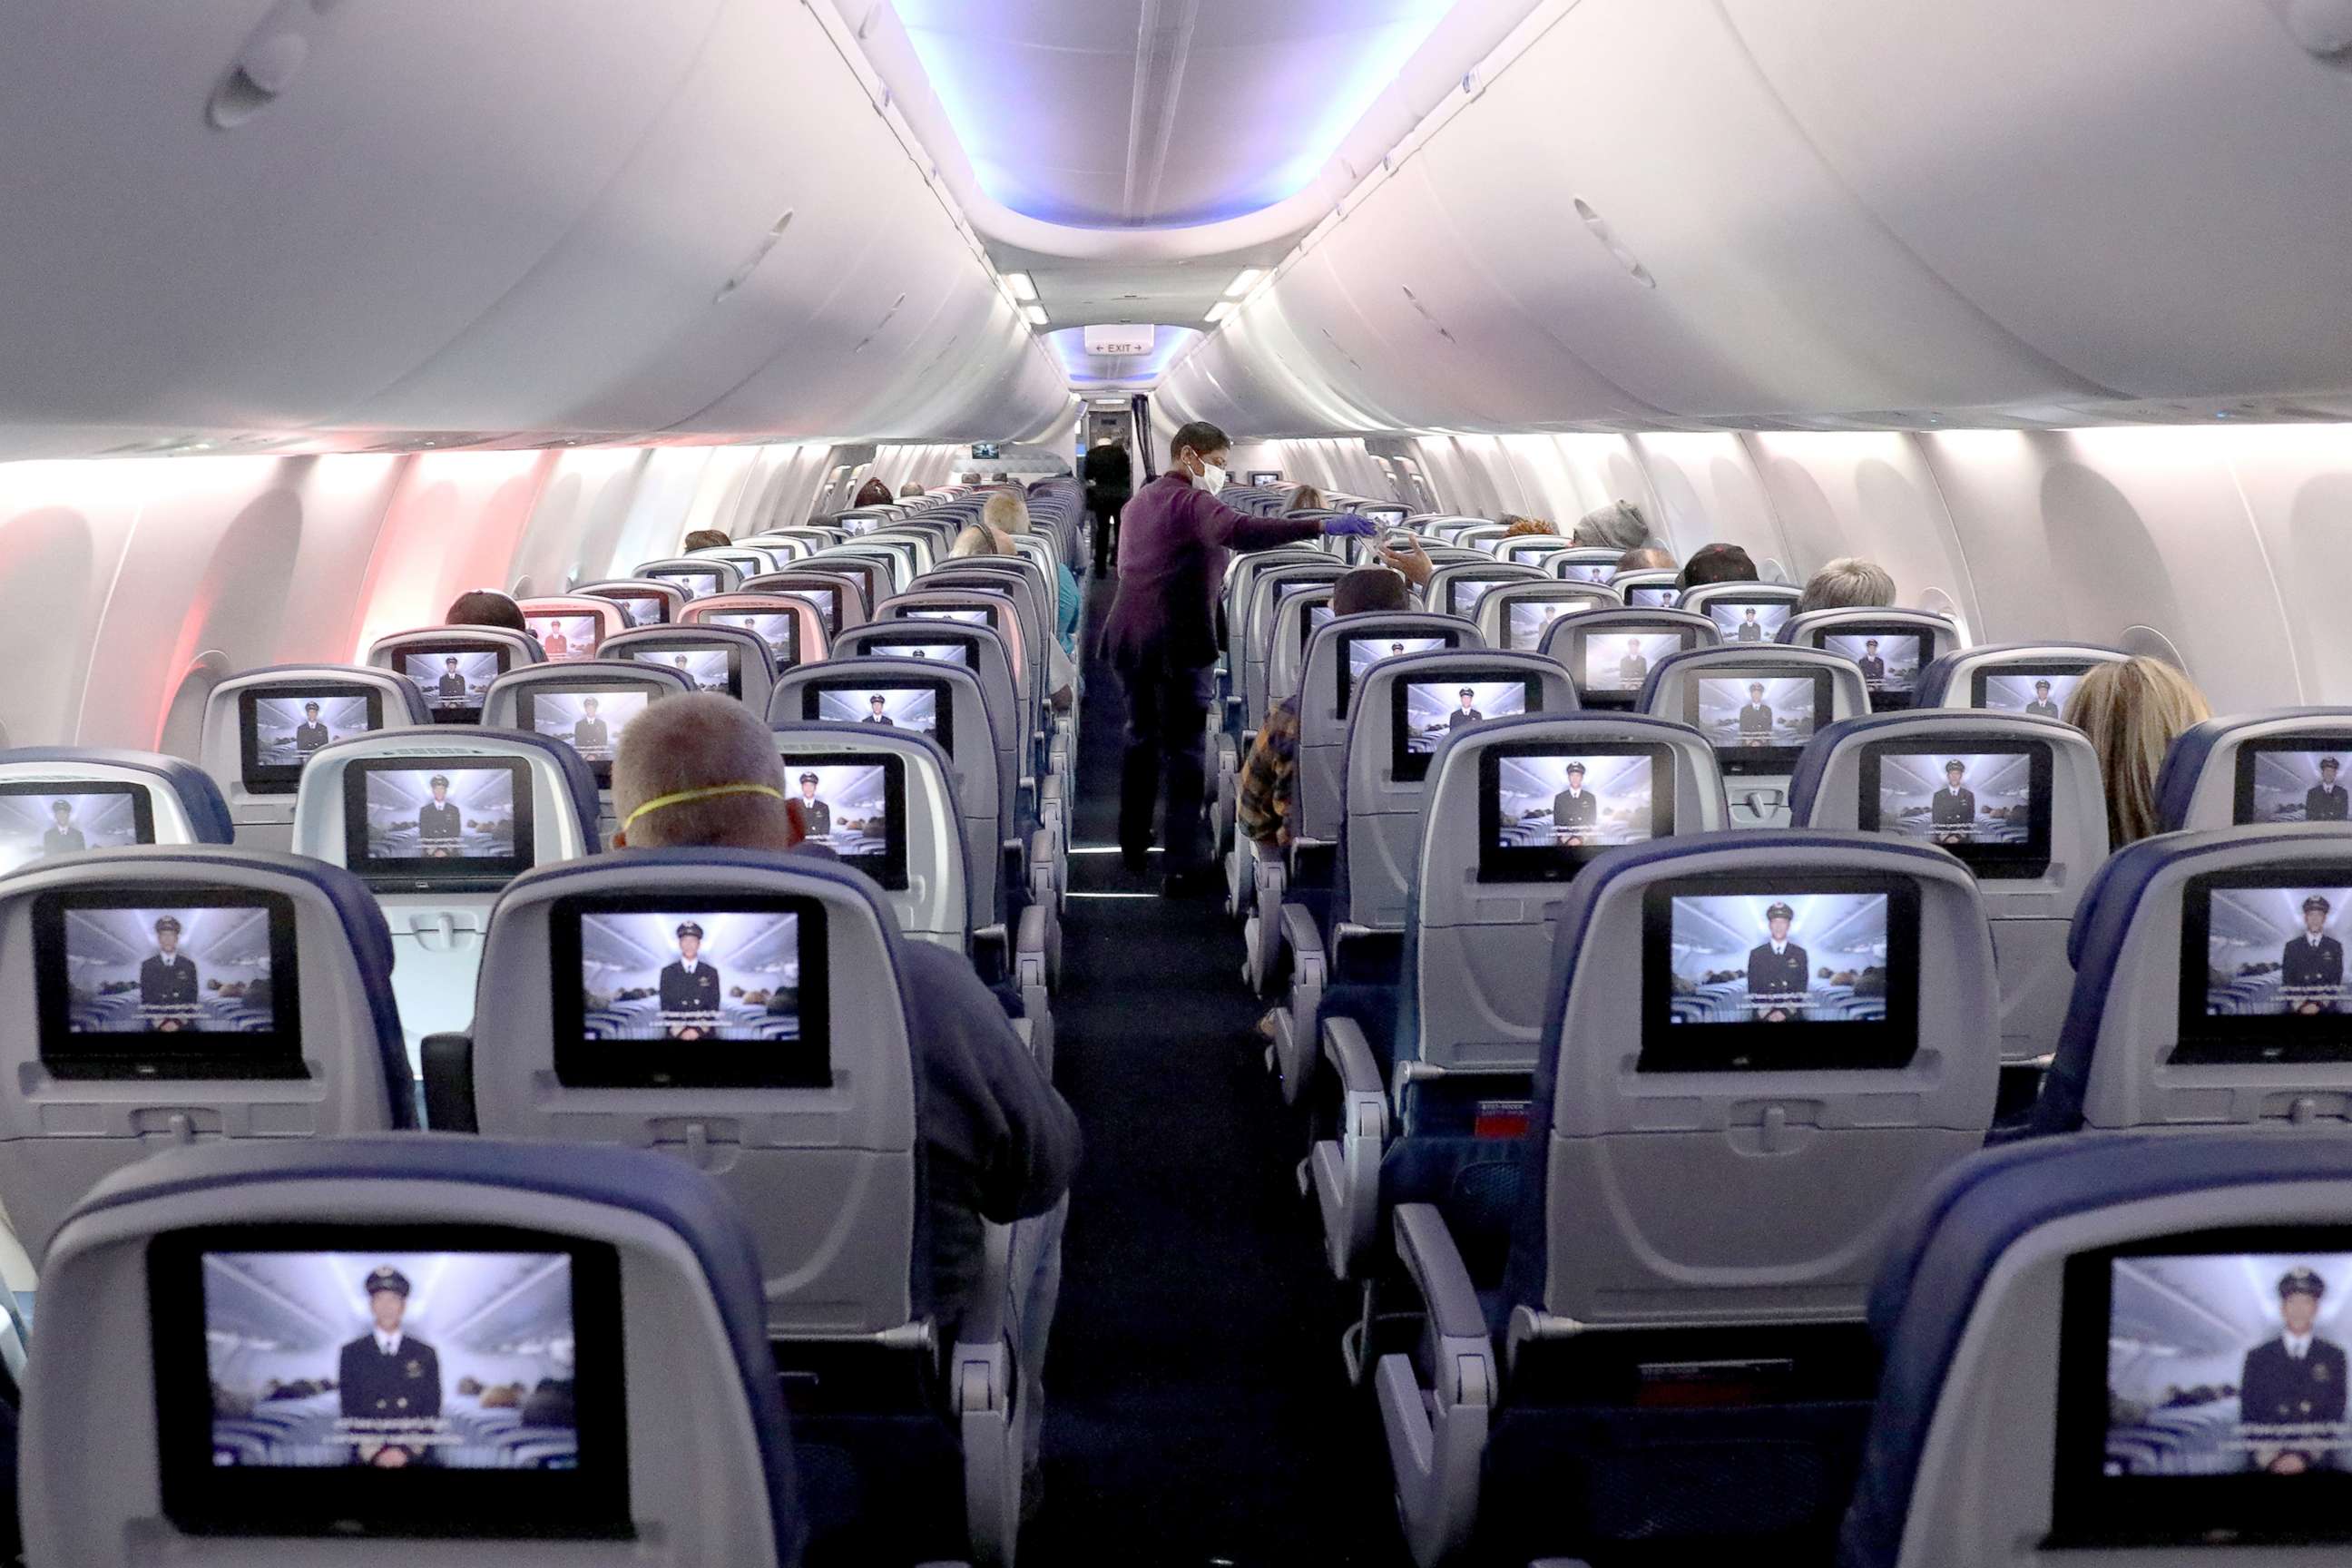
x,y
1350,526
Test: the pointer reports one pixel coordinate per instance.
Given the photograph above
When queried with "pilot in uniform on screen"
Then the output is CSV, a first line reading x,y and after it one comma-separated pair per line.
x,y
819,815
689,987
2041,707
2312,961
1756,719
168,978
387,1375
1953,812
1776,968
309,734
451,688
439,825
2294,1380
1632,669
1395,648
1575,811
63,837
1750,628
874,714
2325,801
1873,668
590,733
1466,713
555,645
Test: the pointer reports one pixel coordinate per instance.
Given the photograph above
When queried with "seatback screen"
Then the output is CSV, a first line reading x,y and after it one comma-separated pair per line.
x,y
1651,596
1586,572
1890,662
453,681
1360,651
711,668
162,984
1545,807
437,821
2039,691
2201,1391
280,728
955,653
1754,974
855,805
1617,664
780,629
2301,779
563,637
1424,713
890,703
1748,621
639,608
697,582
1463,590
41,821
2261,966
399,1380
1986,801
826,602
1759,720
738,978
1526,620
590,719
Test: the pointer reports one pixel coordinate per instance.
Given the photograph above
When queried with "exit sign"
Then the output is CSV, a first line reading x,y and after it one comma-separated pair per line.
x,y
1121,340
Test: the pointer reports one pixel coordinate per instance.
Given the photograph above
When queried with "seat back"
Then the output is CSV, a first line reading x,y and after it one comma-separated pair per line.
x,y
977,649
1410,709
112,799
1496,838
976,607
2203,995
1341,655
585,1029
782,548
1456,589
273,1017
1582,563
2081,1344
697,575
1299,615
1534,550
589,1314
2261,768
733,659
1241,579
1651,589
482,655
1271,591
877,571
1519,615
745,559
1892,646
1610,653
2033,678
885,802
1728,605
2026,811
1033,611
511,801
644,601
1757,706
586,705
793,628
839,597
573,627
1683,1055
260,728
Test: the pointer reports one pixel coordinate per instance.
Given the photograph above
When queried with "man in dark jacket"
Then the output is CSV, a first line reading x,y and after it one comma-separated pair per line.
x,y
1110,481
2294,1380
388,1380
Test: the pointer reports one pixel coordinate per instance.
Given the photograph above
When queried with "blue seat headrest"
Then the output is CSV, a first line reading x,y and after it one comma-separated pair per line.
x,y
199,796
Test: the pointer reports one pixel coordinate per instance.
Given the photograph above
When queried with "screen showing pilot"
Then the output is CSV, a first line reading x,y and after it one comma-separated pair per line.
x,y
1395,648
1756,719
1873,668
874,712
2293,1380
2311,968
1632,669
451,687
1776,970
555,644
690,988
440,826
167,980
309,734
389,1380
2041,707
2325,801
1953,812
1468,713
590,733
1750,629
819,815
62,838
1575,811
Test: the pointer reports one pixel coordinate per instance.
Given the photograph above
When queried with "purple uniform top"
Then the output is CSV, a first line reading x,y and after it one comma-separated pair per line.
x,y
1174,539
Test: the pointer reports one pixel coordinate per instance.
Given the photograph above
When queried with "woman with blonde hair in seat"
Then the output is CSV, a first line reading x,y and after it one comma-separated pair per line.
x,y
2132,711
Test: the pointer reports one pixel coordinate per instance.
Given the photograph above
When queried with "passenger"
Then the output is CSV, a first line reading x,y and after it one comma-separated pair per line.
x,y
1009,515
979,539
998,1143
707,539
1162,639
1620,525
1306,497
873,492
1515,527
911,489
2131,710
1716,563
1846,582
1262,809
485,607
1110,481
1645,558
968,476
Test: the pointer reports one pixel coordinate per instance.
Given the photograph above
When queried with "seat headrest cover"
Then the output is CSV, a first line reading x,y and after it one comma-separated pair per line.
x,y
667,1191
418,712
199,796
1813,763
2185,759
1935,682
1939,1257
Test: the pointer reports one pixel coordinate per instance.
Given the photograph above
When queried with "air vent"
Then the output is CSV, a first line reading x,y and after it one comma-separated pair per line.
x,y
884,322
1600,230
1414,301
766,243
272,57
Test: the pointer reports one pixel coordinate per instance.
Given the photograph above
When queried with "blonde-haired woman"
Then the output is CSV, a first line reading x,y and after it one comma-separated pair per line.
x,y
1008,514
2132,711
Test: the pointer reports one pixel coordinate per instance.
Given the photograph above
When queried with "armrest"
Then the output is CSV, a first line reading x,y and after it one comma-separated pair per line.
x,y
1044,867
1427,1249
449,1083
1036,949
1269,879
1346,1170
980,1392
1437,1435
1295,1026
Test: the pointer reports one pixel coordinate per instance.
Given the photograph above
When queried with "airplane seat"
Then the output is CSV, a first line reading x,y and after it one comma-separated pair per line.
x,y
1050,666
876,571
1797,1024
732,660
555,700
1583,564
1759,705
696,576
573,627
2069,1329
1270,590
1609,652
644,601
511,801
2012,676
1728,605
1247,612
814,1138
1304,607
2026,811
273,1018
260,730
746,560
112,798
202,1307
1893,646
1651,588
1468,872
2258,910
983,607
839,597
1520,615
2249,769
1457,588
454,666
793,628
1536,549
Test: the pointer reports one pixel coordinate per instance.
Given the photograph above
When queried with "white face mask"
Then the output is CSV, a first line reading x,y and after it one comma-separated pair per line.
x,y
1213,478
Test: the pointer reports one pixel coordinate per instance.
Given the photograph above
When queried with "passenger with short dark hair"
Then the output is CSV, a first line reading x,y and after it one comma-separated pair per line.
x,y
485,607
873,492
1110,481
707,539
1715,563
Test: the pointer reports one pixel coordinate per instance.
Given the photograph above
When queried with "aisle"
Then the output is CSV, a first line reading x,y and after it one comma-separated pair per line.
x,y
1197,1412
